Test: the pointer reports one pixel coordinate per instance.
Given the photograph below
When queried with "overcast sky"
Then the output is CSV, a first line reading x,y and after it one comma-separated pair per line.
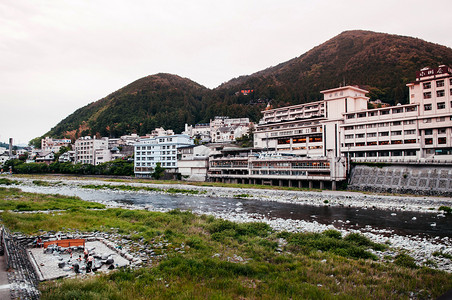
x,y
57,56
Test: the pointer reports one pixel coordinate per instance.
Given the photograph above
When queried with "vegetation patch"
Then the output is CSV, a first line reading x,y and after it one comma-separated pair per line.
x,y
446,209
226,260
442,254
46,183
15,199
138,188
242,196
353,245
7,181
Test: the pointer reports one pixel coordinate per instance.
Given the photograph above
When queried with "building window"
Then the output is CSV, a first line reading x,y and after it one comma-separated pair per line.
x,y
410,141
348,127
383,143
396,153
396,132
361,115
427,85
384,112
441,105
347,136
440,83
373,134
396,142
410,152
411,131
385,133
371,114
408,122
427,107
440,93
360,136
441,140
427,120
371,125
350,116
441,119
411,108
397,110
427,95
442,131
429,141
428,132
397,123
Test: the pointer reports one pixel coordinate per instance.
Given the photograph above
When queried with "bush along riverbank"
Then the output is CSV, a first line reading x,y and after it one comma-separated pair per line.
x,y
192,256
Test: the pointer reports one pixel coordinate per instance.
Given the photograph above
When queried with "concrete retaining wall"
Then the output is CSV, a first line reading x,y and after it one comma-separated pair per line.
x,y
413,179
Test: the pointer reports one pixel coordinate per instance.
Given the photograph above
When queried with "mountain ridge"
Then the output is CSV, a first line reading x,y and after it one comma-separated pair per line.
x,y
379,62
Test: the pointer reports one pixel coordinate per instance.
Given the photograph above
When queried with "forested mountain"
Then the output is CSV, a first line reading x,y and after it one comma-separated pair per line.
x,y
379,62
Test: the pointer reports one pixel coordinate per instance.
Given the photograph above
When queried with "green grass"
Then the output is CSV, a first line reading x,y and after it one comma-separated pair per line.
x,y
138,188
446,209
15,199
46,183
228,260
7,181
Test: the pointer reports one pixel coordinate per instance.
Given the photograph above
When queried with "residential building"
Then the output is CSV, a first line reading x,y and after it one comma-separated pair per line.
x,y
46,157
54,145
226,130
68,156
220,130
161,149
193,162
87,147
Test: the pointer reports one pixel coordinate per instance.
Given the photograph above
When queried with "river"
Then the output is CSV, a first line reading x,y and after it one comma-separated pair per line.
x,y
404,223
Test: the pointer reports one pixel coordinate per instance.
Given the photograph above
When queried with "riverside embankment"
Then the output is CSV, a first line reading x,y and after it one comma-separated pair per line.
x,y
410,223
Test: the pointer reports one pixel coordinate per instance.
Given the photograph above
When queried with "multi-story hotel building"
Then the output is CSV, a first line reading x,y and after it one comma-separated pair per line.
x,y
315,142
161,149
420,131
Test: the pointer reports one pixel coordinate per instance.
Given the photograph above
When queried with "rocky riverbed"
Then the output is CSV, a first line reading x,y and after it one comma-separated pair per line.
x,y
422,248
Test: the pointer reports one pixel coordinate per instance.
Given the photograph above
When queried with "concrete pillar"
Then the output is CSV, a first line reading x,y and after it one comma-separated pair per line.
x,y
300,185
280,182
333,185
310,184
290,183
322,185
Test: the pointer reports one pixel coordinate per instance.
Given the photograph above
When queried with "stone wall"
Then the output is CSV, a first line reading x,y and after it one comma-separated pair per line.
x,y
414,179
21,274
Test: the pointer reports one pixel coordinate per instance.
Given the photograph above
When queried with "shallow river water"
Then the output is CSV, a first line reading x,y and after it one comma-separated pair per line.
x,y
398,222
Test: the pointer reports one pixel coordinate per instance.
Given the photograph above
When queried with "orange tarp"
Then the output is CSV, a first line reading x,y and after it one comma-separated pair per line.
x,y
66,243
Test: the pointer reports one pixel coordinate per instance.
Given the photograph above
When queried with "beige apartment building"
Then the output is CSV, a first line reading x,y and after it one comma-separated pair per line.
x,y
417,132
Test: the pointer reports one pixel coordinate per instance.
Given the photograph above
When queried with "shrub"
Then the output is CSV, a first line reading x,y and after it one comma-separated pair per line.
x,y
404,260
446,209
332,234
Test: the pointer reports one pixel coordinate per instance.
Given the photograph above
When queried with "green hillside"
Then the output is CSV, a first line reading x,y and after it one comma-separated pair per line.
x,y
379,62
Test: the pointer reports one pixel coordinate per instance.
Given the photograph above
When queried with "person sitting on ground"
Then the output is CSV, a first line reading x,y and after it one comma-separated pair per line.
x,y
39,243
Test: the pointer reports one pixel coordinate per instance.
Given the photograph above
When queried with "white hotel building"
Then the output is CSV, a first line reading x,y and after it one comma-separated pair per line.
x,y
313,143
420,131
161,149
